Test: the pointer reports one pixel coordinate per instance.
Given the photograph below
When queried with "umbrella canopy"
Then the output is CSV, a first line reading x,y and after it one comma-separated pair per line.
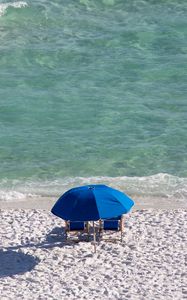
x,y
91,203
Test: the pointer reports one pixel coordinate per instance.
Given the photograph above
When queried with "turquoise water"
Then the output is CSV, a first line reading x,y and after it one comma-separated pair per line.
x,y
91,89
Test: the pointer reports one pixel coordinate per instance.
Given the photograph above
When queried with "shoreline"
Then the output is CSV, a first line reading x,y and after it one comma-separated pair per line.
x,y
46,203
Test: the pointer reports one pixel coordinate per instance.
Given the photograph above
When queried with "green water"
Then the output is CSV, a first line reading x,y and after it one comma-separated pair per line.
x,y
93,88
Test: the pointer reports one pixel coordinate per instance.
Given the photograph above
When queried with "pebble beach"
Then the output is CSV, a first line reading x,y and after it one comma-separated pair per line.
x,y
37,262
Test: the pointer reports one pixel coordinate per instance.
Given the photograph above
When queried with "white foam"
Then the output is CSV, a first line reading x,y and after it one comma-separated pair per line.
x,y
14,196
159,185
4,6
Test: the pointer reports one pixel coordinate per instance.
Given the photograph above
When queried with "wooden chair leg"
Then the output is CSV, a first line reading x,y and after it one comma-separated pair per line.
x,y
88,231
66,229
122,227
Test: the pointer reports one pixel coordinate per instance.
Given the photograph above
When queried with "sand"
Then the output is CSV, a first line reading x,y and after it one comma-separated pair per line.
x,y
141,202
36,262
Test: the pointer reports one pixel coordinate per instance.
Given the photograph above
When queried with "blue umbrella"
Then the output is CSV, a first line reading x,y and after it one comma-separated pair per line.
x,y
91,203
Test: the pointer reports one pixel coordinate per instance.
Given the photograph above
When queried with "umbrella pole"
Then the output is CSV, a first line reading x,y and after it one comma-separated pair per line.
x,y
94,237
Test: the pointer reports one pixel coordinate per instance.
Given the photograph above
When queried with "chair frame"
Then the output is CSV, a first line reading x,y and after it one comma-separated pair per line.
x,y
120,226
68,230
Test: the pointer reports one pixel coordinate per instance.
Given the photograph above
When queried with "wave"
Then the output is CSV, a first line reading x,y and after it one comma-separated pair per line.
x,y
159,185
4,6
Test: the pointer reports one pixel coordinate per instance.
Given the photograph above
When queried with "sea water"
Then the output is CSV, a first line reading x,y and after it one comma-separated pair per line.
x,y
93,91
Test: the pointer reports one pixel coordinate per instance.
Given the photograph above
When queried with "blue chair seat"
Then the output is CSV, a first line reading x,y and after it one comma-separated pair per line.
x,y
77,226
111,225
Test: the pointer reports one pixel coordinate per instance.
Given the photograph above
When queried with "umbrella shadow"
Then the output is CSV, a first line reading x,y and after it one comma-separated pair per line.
x,y
16,262
55,238
58,237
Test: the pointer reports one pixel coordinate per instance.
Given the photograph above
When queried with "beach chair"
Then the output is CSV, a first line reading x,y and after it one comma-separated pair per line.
x,y
112,224
76,226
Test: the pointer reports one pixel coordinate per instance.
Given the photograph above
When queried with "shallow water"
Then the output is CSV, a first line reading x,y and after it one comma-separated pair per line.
x,y
91,89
